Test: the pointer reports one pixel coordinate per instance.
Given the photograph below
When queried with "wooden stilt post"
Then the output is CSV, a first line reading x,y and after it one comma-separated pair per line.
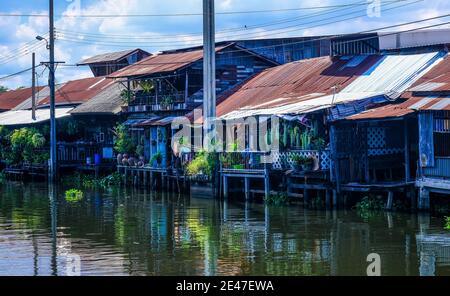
x,y
335,199
413,198
390,201
424,199
247,188
267,184
407,154
225,187
328,199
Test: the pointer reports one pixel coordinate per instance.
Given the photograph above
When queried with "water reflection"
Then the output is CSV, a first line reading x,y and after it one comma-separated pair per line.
x,y
138,232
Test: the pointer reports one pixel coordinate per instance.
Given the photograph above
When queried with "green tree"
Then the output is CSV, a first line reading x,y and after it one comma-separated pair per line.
x,y
3,89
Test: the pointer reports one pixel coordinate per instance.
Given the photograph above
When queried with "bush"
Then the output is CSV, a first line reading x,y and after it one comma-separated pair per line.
x,y
447,223
24,143
203,164
111,181
123,142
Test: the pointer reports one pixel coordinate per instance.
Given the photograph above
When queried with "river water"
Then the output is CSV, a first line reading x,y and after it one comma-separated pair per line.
x,y
137,232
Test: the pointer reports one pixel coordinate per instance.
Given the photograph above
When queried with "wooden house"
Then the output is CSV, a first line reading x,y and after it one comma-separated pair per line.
x,y
312,94
164,86
402,144
108,63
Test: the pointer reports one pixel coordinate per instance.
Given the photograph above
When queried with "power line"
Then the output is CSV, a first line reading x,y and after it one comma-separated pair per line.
x,y
94,37
16,74
199,34
259,36
305,41
183,14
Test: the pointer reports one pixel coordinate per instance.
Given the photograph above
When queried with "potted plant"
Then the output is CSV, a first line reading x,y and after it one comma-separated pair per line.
x,y
303,163
158,158
166,103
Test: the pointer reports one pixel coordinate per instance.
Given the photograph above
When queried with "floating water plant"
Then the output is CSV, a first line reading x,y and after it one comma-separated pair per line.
x,y
370,207
278,199
74,195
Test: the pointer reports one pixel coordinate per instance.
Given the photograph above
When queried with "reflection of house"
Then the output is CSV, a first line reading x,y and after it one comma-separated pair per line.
x,y
433,251
107,63
170,84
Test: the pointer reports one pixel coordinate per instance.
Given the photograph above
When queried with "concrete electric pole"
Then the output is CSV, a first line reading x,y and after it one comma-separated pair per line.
x,y
209,72
33,86
51,82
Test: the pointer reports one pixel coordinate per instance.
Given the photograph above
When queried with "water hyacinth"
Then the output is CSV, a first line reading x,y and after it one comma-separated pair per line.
x,y
74,195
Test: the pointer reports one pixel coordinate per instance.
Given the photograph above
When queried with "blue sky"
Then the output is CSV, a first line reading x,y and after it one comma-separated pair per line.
x,y
79,38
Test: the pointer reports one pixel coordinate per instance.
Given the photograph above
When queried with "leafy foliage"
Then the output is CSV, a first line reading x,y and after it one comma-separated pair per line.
x,y
24,143
303,160
123,142
113,180
203,164
74,195
370,207
447,223
3,89
278,199
157,157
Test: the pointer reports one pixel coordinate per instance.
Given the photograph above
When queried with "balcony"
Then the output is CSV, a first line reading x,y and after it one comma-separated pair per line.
x,y
150,103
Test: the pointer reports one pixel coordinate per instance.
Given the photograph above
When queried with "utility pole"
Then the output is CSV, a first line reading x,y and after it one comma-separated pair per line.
x,y
209,71
51,82
33,87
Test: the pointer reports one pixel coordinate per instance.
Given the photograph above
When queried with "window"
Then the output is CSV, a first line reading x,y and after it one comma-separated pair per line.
x,y
442,137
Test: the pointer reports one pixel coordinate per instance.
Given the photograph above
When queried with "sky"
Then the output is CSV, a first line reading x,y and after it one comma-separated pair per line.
x,y
82,37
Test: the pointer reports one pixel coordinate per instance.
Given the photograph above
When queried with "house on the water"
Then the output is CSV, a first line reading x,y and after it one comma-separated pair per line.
x,y
308,96
86,112
421,119
164,86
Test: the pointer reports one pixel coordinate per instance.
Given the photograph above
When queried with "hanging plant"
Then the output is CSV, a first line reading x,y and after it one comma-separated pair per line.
x,y
160,135
147,86
126,96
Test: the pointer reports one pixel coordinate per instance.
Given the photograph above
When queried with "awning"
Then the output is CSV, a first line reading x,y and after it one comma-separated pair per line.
x,y
133,122
156,121
23,117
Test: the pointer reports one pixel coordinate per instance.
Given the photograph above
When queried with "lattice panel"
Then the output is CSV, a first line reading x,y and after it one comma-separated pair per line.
x,y
283,160
376,140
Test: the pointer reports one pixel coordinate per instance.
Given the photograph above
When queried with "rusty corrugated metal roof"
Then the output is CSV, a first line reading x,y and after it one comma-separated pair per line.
x,y
79,91
162,63
110,57
295,82
411,105
437,79
11,99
